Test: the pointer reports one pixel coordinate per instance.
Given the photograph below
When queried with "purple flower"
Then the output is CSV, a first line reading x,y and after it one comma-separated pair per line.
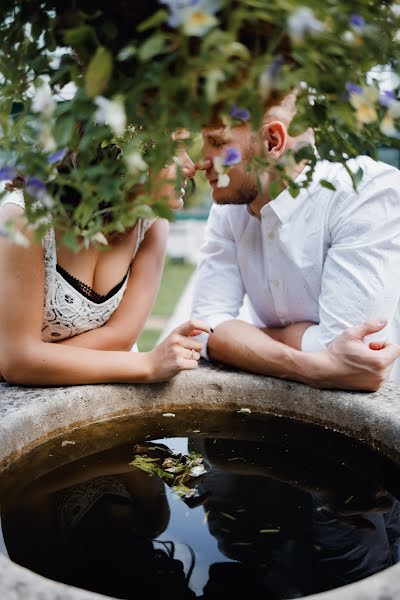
x,y
352,88
7,173
35,187
276,67
241,114
357,21
232,157
56,156
387,98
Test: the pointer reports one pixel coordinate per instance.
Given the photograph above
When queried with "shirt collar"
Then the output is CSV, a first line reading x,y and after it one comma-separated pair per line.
x,y
284,205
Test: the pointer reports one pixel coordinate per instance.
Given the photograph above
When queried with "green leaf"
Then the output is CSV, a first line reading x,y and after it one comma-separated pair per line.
x,y
358,175
294,191
151,47
79,35
69,239
327,184
64,129
161,209
274,188
154,21
98,72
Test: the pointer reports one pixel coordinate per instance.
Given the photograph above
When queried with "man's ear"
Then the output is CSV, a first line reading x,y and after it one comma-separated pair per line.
x,y
275,136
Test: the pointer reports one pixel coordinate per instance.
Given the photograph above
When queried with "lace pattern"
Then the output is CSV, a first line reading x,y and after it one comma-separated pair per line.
x,y
67,312
74,502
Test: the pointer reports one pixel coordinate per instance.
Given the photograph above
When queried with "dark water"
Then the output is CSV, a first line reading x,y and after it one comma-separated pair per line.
x,y
284,510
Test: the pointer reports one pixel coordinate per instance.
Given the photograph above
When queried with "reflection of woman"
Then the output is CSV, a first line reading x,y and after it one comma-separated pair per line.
x,y
93,304
91,524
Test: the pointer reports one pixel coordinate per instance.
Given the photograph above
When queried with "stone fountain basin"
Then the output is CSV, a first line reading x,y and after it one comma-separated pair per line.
x,y
31,416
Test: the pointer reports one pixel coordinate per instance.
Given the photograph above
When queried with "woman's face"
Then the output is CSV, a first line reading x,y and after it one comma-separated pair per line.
x,y
187,168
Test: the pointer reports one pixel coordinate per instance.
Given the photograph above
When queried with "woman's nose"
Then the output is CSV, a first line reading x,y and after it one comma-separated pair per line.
x,y
188,168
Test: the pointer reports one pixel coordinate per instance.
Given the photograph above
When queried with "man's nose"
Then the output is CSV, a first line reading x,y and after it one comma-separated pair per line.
x,y
204,165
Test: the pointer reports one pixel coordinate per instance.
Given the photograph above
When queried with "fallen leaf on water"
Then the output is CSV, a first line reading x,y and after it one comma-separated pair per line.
x,y
269,530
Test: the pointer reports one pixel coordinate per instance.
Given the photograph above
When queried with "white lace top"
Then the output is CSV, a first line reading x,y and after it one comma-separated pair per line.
x,y
67,312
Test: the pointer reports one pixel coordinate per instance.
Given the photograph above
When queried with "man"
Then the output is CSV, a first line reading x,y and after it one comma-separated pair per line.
x,y
313,267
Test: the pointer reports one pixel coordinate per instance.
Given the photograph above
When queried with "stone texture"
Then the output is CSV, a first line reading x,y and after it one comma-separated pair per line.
x,y
29,416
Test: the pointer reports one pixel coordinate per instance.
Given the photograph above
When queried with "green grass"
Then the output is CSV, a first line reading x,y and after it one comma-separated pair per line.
x,y
175,277
148,339
174,280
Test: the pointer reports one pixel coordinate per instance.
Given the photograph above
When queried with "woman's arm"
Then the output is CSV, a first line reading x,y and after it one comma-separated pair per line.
x,y
125,325
25,359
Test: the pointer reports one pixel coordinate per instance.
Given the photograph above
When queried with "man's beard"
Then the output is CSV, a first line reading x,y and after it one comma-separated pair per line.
x,y
245,193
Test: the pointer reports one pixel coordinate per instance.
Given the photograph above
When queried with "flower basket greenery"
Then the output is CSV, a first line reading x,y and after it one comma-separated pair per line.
x,y
91,92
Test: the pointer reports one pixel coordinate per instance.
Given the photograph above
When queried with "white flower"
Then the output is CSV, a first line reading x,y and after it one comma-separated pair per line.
x,y
388,127
303,21
348,37
135,162
46,138
100,238
197,471
43,101
219,164
195,16
111,112
223,180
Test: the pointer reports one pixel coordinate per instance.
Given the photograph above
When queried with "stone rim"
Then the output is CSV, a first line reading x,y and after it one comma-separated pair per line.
x,y
30,416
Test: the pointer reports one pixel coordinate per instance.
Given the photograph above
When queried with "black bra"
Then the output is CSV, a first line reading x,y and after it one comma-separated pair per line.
x,y
86,290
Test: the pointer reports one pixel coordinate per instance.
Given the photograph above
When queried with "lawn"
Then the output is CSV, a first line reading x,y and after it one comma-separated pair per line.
x,y
175,277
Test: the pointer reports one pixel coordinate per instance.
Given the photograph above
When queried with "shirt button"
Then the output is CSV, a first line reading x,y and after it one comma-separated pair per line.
x,y
275,282
271,235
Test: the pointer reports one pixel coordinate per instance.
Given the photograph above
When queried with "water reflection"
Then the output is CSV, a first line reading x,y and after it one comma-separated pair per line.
x,y
276,521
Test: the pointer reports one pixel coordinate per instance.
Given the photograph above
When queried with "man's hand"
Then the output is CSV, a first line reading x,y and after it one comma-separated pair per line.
x,y
351,364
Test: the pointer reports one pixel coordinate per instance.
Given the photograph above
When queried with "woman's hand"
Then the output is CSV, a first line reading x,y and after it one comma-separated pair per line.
x,y
178,352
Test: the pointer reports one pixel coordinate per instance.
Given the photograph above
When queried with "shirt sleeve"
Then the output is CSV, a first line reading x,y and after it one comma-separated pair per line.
x,y
219,290
360,279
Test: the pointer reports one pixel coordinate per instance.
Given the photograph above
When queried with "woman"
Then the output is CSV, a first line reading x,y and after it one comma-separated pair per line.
x,y
93,304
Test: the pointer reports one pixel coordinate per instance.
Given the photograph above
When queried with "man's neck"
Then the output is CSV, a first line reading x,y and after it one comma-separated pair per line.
x,y
258,204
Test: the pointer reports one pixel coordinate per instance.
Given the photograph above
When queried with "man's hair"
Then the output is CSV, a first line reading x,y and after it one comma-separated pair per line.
x,y
281,106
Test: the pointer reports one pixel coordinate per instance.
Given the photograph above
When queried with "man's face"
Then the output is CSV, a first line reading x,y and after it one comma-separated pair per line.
x,y
242,188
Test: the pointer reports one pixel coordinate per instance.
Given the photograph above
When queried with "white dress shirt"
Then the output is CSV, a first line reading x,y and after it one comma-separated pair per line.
x,y
330,257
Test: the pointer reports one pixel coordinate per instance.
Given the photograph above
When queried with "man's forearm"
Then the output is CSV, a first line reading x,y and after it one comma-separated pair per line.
x,y
245,346
291,335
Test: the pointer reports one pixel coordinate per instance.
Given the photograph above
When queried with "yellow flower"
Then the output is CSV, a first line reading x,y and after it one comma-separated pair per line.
x,y
366,113
364,103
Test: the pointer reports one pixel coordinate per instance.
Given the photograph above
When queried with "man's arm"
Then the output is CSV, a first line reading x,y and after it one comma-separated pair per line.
x,y
360,282
219,290
347,363
361,270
